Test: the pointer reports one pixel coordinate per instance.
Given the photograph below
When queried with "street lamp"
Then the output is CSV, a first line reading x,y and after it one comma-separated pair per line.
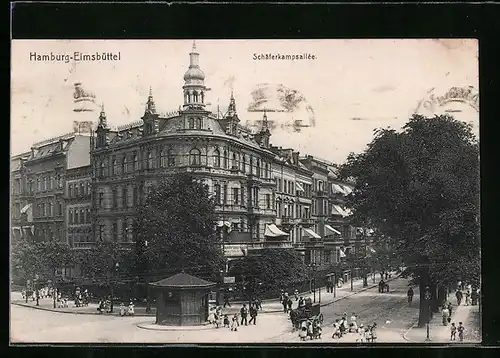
x,y
427,298
117,265
36,290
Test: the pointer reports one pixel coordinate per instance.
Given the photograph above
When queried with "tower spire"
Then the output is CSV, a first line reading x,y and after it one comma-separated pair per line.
x,y
102,117
150,104
265,122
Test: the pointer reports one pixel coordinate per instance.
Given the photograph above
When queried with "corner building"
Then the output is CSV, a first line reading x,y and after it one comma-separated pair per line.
x,y
234,163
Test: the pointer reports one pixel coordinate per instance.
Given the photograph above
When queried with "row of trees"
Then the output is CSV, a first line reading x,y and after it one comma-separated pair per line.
x,y
419,189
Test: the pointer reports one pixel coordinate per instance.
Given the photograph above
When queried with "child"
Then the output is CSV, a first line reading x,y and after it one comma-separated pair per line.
x,y
361,334
460,330
226,321
122,309
453,330
235,324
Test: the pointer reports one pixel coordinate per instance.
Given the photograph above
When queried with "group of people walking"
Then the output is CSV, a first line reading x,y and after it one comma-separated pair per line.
x,y
364,334
218,319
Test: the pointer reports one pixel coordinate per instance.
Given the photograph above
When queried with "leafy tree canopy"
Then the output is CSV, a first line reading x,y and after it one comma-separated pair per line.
x,y
272,267
419,188
178,223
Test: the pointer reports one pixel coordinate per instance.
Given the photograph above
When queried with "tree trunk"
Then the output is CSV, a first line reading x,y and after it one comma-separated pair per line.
x,y
434,299
424,313
441,296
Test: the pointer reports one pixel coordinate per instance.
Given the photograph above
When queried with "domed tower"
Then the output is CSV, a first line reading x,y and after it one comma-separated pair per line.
x,y
194,82
194,112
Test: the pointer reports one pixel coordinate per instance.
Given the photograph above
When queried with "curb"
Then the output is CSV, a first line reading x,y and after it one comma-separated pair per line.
x,y
152,315
74,312
144,325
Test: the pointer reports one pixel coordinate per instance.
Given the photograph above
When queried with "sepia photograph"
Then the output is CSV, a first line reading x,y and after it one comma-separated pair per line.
x,y
319,191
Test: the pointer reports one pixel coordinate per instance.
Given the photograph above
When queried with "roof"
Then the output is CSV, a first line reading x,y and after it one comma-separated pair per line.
x,y
183,280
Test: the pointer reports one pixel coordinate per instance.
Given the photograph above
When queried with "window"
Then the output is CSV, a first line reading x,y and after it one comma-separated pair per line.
x,y
124,197
82,189
77,217
38,185
114,167
268,201
115,201
236,196
199,123
51,182
135,196
59,209
101,199
162,159
251,165
191,123
150,164
88,216
115,231
225,159
242,196
171,158
124,164
124,231
89,188
70,217
195,157
217,158
136,163
51,209
70,190
234,163
225,193
285,186
244,164
258,168
101,173
217,193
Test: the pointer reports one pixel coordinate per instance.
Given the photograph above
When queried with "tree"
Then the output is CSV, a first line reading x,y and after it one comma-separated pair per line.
x,y
420,189
177,221
272,268
25,260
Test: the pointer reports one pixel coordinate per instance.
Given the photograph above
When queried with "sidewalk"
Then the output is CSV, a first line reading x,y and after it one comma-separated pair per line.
x,y
441,334
268,306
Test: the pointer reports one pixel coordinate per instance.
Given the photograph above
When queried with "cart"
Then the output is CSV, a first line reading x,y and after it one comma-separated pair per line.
x,y
308,312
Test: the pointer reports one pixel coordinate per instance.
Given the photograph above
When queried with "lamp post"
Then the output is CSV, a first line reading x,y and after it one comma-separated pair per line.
x,y
117,265
427,298
37,295
146,281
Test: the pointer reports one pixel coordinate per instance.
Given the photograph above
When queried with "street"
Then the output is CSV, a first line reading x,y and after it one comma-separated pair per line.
x,y
31,325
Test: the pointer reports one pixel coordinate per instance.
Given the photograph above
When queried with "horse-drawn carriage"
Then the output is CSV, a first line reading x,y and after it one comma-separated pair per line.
x,y
308,312
383,287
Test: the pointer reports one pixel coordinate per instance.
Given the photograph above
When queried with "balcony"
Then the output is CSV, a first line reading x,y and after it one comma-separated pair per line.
x,y
307,221
321,194
252,178
256,210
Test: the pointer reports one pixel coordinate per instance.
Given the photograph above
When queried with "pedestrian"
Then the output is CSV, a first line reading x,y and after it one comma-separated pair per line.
x,y
211,317
282,295
226,300
467,297
473,296
285,305
253,315
453,331
459,297
301,302
361,333
336,329
244,313
386,276
410,295
289,303
353,325
131,309
445,313
234,323
122,309
374,332
296,294
460,330
226,321
450,308
258,303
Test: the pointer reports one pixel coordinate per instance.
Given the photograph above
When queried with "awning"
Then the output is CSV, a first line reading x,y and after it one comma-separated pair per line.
x,y
311,233
347,190
273,231
333,230
337,210
299,187
25,209
338,189
222,223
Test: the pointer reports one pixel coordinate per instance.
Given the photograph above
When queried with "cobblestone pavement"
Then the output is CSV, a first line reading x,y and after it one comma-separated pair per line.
x,y
30,325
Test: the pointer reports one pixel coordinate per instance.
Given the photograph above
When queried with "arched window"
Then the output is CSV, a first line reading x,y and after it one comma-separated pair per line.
x,y
225,158
38,185
251,165
217,193
136,163
114,167
102,169
77,217
150,163
191,123
234,164
195,96
257,168
170,158
199,123
244,164
217,158
195,157
70,216
124,164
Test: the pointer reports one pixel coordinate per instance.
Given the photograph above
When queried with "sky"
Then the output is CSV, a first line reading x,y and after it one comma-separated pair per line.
x,y
353,86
